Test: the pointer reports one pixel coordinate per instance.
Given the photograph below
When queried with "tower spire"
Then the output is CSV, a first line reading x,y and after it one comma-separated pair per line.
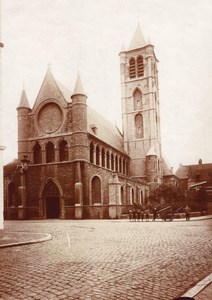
x,y
138,40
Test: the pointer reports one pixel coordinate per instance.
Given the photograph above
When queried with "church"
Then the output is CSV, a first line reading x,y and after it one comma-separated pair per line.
x,y
73,163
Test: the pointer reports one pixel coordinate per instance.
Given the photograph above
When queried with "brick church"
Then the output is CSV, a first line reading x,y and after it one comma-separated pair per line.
x,y
72,162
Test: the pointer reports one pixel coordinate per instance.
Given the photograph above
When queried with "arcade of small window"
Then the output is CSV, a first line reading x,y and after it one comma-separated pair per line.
x,y
107,159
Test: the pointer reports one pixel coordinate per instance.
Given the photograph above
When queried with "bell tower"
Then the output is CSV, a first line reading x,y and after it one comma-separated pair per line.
x,y
140,108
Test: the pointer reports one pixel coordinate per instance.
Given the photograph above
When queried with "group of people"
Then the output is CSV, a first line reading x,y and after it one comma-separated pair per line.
x,y
137,214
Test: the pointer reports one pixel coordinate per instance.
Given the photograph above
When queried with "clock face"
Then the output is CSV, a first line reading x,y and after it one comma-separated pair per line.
x,y
50,117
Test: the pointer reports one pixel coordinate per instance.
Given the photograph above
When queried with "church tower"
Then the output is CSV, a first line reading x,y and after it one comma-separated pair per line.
x,y
140,109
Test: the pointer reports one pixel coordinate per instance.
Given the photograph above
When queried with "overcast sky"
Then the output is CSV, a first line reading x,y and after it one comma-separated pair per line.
x,y
87,35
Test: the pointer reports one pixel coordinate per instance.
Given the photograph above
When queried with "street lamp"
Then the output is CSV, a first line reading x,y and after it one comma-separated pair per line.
x,y
22,188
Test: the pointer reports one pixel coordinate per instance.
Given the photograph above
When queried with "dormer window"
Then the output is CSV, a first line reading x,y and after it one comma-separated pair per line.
x,y
94,129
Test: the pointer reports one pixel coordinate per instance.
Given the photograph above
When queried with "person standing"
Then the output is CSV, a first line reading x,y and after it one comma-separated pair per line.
x,y
147,215
187,212
154,214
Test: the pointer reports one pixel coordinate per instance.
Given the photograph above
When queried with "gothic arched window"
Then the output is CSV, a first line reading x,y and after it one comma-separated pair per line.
x,y
97,155
96,190
103,157
50,152
139,126
91,152
132,70
137,99
140,66
108,159
37,158
63,150
112,162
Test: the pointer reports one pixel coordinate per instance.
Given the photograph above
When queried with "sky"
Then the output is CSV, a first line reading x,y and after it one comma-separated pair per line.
x,y
87,36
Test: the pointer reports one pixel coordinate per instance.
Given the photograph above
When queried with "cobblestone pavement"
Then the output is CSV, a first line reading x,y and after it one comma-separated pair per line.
x,y
90,260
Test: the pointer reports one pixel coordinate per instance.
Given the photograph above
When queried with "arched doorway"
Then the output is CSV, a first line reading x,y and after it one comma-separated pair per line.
x,y
51,196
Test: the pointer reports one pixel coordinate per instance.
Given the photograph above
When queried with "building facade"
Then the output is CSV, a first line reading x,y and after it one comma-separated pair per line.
x,y
197,177
81,165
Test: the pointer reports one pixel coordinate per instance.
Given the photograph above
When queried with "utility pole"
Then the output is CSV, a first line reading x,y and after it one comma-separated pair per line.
x,y
1,140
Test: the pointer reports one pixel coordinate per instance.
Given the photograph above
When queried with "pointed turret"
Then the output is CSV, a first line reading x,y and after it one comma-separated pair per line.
x,y
24,103
79,120
24,111
138,40
78,90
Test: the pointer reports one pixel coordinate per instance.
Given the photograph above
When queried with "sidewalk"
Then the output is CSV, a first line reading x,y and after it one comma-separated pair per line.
x,y
11,239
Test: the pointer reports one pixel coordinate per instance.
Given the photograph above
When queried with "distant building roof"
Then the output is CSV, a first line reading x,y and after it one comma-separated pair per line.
x,y
182,172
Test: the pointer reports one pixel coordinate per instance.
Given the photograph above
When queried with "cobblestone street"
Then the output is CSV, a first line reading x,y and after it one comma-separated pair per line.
x,y
105,259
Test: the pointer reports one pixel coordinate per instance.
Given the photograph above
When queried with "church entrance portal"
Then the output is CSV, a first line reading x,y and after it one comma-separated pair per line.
x,y
52,207
51,196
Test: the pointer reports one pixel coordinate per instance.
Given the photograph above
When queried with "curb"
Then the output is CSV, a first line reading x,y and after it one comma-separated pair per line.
x,y
47,237
201,285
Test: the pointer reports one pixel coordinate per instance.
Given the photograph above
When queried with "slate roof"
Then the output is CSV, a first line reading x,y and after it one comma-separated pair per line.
x,y
106,131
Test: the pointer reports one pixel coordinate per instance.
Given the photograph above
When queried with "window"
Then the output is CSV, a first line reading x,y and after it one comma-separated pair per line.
x,y
140,66
139,126
96,190
97,155
137,99
37,158
91,153
132,71
50,152
103,157
63,150
112,162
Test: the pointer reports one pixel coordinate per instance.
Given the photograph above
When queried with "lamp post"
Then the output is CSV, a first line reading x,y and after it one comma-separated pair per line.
x,y
22,188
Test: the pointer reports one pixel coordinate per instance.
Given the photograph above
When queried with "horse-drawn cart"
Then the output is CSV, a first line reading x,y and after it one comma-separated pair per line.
x,y
166,213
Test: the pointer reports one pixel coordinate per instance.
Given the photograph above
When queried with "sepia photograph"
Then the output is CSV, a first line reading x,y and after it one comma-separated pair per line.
x,y
105,149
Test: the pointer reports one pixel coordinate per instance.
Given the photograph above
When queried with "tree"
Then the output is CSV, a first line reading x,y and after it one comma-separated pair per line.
x,y
168,195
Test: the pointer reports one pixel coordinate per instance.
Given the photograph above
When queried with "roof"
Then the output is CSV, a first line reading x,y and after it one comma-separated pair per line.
x,y
24,100
138,40
151,152
51,88
105,130
78,86
166,170
182,172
